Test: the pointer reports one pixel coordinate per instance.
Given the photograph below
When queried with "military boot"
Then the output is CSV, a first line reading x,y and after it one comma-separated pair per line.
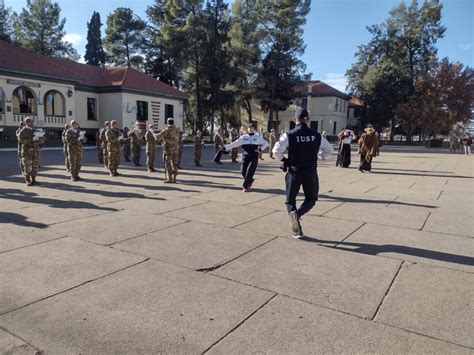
x,y
33,181
28,180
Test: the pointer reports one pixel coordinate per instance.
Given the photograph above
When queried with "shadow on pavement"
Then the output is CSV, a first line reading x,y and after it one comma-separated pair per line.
x,y
399,249
20,220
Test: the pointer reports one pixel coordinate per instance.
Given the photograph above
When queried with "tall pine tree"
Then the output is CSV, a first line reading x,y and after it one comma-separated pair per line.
x,y
282,70
95,54
39,29
124,38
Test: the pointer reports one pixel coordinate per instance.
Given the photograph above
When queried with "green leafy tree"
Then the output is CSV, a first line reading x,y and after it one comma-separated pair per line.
x,y
95,54
7,32
282,70
245,52
39,29
401,52
124,38
219,97
164,46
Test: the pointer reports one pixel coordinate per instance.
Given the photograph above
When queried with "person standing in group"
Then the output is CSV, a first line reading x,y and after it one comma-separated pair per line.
x,y
98,146
114,139
346,136
181,148
65,148
467,142
150,148
31,141
252,144
303,145
198,143
218,144
103,140
368,149
127,145
22,124
170,138
263,135
272,139
234,135
74,139
136,138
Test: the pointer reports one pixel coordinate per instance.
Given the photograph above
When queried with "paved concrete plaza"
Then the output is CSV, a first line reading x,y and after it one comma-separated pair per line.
x,y
130,265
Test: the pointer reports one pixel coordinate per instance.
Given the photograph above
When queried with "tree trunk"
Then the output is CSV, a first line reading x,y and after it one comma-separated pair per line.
x,y
392,129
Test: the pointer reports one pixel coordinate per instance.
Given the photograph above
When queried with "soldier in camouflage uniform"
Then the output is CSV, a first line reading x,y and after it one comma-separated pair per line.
x,y
150,149
264,136
98,145
127,145
234,135
170,138
114,138
103,140
22,124
181,148
137,139
75,141
66,155
272,139
198,143
30,151
218,145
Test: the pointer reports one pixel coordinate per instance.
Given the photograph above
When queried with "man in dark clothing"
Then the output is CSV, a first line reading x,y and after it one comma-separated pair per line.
x,y
303,145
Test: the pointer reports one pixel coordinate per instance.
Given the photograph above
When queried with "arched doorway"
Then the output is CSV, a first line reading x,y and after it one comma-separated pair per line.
x,y
54,107
24,103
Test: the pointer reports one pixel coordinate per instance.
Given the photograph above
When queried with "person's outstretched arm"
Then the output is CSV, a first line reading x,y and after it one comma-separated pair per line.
x,y
280,147
326,147
235,144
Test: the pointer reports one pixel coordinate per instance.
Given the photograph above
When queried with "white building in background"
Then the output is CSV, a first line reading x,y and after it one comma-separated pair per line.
x,y
54,91
328,109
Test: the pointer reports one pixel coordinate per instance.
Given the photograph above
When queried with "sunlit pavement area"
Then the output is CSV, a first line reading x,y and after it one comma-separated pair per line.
x,y
131,265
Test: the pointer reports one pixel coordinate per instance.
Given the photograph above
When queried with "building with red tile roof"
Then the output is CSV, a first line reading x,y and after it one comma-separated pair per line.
x,y
56,90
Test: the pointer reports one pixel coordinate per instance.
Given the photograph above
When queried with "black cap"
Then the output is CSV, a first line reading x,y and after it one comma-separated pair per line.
x,y
170,121
251,125
302,114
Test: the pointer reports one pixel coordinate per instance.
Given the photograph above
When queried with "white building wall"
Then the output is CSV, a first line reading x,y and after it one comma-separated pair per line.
x,y
110,108
39,88
80,113
156,110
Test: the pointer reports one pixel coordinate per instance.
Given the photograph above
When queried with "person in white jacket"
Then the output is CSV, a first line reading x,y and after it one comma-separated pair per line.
x,y
252,144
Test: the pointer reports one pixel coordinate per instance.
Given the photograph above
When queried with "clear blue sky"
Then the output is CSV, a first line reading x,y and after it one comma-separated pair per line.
x,y
333,31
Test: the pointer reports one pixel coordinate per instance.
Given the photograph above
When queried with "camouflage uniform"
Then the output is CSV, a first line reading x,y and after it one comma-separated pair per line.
x,y
65,150
98,145
150,150
181,148
197,150
17,134
127,146
137,140
235,151
75,149
105,152
113,147
170,138
272,143
30,153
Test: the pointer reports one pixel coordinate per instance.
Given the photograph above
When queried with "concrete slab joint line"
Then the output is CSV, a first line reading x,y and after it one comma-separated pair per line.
x,y
242,322
426,221
388,290
215,267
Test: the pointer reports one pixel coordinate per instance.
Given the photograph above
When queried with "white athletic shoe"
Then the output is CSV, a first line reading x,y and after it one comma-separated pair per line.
x,y
295,224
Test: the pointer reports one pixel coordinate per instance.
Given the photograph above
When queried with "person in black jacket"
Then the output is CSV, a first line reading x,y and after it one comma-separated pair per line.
x,y
252,144
303,145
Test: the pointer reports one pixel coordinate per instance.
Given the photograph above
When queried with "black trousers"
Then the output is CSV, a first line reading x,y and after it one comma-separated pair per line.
x,y
295,178
249,165
217,157
345,156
